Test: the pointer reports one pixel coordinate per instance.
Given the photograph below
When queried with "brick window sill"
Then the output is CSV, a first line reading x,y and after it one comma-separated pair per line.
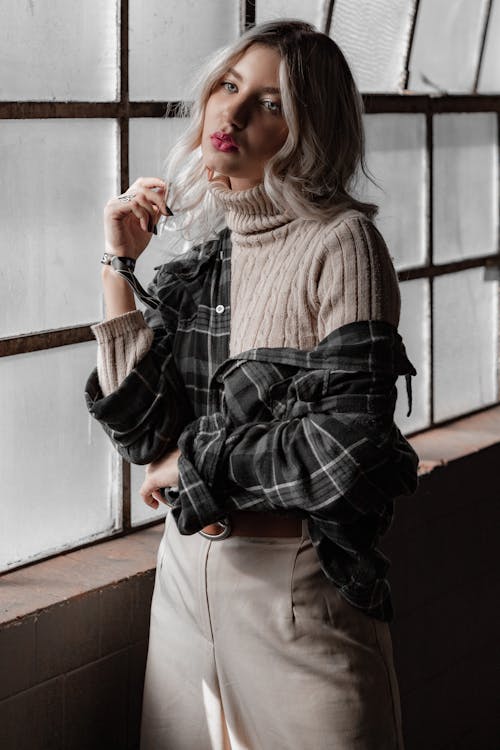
x,y
73,574
443,445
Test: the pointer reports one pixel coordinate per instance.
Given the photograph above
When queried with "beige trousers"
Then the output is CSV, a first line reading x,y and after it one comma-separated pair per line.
x,y
251,645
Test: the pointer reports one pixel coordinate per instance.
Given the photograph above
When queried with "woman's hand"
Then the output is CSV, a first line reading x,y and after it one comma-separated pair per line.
x,y
127,223
161,473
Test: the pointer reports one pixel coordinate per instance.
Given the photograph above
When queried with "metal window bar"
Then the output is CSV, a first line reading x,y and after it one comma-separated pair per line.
x,y
410,42
483,44
124,120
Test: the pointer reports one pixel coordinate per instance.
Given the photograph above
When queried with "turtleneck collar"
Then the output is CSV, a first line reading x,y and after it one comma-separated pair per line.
x,y
248,212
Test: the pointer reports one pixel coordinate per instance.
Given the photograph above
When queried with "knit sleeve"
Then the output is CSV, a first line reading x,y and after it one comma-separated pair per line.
x,y
122,342
357,280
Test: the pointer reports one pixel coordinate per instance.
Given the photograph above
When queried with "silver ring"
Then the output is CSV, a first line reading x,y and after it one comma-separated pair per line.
x,y
127,197
169,494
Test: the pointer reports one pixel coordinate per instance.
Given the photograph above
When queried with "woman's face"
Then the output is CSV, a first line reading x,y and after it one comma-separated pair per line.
x,y
243,125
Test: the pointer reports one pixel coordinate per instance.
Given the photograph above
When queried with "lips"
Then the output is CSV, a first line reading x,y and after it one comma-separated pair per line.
x,y
223,142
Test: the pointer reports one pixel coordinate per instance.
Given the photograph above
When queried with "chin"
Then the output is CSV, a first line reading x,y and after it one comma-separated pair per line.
x,y
212,160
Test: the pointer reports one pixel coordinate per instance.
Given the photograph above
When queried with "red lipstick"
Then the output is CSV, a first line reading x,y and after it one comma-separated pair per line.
x,y
223,142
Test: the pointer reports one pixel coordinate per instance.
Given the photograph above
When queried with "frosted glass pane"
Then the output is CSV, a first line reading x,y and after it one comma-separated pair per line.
x,y
59,174
150,140
169,40
397,159
142,513
374,37
414,327
312,12
446,45
489,76
465,342
55,460
58,50
465,185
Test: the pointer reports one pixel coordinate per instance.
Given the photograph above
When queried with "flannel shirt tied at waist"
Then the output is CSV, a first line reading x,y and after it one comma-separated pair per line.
x,y
310,432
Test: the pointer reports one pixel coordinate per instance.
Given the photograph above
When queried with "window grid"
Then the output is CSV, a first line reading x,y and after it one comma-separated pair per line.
x,y
483,44
123,110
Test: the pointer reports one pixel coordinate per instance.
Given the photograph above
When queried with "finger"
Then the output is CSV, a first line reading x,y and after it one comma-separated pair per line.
x,y
141,214
149,487
157,198
157,495
116,208
154,204
145,492
149,182
142,201
151,501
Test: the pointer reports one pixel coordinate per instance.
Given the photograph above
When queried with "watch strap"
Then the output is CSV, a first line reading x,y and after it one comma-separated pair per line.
x,y
125,267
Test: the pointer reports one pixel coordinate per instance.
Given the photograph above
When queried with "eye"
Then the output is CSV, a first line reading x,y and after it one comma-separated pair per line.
x,y
274,107
225,84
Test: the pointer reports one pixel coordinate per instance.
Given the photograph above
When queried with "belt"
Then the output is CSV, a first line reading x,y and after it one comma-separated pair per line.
x,y
248,523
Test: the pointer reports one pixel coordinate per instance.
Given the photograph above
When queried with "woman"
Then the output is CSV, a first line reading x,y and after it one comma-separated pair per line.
x,y
262,387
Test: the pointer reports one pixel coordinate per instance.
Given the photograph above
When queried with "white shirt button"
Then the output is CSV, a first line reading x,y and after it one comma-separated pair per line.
x,y
219,309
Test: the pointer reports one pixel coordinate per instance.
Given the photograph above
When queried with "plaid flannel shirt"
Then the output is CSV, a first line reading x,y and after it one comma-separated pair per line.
x,y
280,430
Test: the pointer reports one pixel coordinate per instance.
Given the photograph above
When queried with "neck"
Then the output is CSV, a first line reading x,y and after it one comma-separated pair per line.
x,y
237,184
249,211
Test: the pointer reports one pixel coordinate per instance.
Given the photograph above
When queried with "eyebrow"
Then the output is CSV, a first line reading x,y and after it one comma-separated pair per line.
x,y
265,89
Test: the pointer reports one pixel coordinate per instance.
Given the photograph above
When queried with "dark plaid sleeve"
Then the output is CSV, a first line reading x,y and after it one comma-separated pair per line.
x,y
150,408
340,467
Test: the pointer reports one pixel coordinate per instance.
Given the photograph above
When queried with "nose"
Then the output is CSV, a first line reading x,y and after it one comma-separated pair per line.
x,y
237,111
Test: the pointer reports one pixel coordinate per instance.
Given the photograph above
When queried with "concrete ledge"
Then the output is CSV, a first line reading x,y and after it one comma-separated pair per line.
x,y
458,439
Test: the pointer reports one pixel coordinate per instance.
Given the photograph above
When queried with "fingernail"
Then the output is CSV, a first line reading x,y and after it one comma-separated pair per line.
x,y
169,210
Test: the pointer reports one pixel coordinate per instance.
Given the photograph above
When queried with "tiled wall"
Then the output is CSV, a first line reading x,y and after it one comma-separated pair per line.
x,y
72,674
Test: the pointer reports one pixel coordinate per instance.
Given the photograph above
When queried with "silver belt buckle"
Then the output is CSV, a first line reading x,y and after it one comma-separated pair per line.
x,y
226,531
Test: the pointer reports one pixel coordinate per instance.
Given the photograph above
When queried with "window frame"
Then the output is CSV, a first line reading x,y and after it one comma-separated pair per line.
x,y
123,110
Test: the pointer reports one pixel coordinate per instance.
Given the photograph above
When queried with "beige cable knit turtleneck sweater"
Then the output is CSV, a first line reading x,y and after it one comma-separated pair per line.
x,y
292,282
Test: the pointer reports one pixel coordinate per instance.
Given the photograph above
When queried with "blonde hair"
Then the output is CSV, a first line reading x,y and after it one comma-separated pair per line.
x,y
316,169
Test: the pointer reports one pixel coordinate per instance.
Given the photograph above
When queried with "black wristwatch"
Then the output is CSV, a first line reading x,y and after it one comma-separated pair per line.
x,y
108,258
125,267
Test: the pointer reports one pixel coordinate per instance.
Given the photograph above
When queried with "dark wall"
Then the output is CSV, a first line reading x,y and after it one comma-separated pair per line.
x,y
444,549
